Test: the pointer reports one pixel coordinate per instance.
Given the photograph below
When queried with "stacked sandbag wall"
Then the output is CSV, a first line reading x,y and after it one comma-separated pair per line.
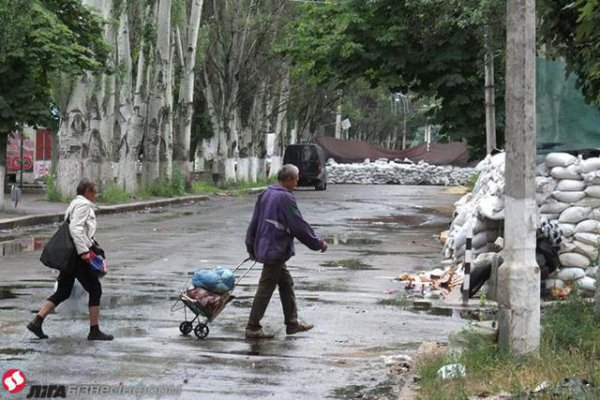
x,y
383,172
567,193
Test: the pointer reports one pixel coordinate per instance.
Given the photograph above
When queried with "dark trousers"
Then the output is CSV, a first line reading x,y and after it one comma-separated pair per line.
x,y
83,272
272,276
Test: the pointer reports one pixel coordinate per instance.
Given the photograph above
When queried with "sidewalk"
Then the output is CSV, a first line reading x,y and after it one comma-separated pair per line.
x,y
34,209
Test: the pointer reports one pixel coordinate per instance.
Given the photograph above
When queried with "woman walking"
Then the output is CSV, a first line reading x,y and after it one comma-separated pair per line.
x,y
82,227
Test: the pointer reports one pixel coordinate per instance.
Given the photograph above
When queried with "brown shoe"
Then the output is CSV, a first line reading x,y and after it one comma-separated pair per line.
x,y
258,334
298,327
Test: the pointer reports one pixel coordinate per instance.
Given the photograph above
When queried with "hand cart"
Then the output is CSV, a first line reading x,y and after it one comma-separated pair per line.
x,y
204,314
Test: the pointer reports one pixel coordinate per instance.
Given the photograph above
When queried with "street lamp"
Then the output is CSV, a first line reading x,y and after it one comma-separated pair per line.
x,y
400,100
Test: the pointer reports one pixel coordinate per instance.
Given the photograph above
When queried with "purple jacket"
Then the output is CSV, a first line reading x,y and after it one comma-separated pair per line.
x,y
276,221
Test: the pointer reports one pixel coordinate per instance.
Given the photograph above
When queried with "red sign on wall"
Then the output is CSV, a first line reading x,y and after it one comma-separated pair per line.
x,y
17,146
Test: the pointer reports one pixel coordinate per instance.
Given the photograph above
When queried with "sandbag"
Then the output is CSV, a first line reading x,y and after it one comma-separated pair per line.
x,y
549,217
570,185
567,246
542,170
485,225
585,249
575,214
588,225
593,191
568,197
559,159
586,283
492,207
570,172
483,237
589,165
592,202
591,178
574,260
588,237
553,206
592,272
544,184
568,230
570,274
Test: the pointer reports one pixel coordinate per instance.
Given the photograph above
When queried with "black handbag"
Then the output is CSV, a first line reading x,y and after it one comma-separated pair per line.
x,y
60,251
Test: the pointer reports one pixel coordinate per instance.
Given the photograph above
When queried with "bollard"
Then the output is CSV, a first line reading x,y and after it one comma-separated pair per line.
x,y
466,286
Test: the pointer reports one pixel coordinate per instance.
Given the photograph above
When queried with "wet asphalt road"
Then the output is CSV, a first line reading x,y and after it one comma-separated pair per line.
x,y
375,233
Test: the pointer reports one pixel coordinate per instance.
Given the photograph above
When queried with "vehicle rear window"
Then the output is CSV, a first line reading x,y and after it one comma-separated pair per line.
x,y
309,154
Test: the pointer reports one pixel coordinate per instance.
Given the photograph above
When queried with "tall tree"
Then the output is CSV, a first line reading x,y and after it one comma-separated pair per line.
x,y
44,36
432,47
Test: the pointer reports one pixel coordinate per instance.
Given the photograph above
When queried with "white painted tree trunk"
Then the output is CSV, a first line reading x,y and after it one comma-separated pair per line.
x,y
85,135
181,145
519,275
3,183
281,121
159,114
129,137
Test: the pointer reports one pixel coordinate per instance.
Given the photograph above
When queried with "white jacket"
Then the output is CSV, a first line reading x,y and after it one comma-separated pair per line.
x,y
83,223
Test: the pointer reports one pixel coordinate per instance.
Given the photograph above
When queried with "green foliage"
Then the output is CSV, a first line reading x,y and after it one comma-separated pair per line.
x,y
113,194
434,48
204,187
52,193
570,346
47,36
571,29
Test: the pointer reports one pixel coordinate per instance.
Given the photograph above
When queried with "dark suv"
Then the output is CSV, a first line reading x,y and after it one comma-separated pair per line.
x,y
310,160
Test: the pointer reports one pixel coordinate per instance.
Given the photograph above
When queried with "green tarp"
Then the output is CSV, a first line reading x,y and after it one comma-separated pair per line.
x,y
564,121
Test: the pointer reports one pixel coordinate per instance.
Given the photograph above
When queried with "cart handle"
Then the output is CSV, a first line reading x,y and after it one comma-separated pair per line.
x,y
242,263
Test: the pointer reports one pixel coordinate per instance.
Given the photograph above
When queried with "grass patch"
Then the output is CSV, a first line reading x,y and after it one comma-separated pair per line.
x,y
569,347
52,193
202,187
113,194
472,181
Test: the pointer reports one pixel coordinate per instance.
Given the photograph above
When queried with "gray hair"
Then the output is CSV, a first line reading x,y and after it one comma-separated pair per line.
x,y
84,185
288,171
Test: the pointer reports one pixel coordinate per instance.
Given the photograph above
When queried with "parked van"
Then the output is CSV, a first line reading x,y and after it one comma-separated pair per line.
x,y
310,160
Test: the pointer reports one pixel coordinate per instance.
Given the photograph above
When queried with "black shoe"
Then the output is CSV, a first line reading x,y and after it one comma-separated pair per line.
x,y
35,326
258,334
97,334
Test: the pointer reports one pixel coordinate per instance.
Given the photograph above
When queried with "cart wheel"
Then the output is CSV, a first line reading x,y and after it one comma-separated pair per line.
x,y
185,327
201,331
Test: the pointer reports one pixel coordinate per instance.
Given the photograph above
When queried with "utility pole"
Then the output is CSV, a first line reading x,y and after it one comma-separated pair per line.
x,y
490,101
519,275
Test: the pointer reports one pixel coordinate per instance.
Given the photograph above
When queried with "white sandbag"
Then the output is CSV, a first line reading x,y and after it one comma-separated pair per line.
x,y
542,170
549,217
553,206
463,200
570,185
570,172
485,225
560,159
545,184
568,197
483,237
574,260
588,237
588,225
491,207
570,274
554,283
591,252
595,213
589,165
591,178
593,191
567,229
592,272
592,202
566,245
575,214
586,283
542,198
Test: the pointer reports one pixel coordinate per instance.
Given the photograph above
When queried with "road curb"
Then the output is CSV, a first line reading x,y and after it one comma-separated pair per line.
x,y
50,218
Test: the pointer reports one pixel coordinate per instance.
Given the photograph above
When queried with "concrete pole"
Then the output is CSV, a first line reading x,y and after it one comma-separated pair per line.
x,y
490,103
519,276
338,121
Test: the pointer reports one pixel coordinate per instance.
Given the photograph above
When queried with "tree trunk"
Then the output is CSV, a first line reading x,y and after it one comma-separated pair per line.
x,y
490,103
127,123
159,114
281,121
3,142
182,139
519,276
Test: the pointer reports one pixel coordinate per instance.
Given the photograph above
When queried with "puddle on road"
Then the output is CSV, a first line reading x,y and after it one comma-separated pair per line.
x,y
24,245
351,241
13,351
6,292
398,219
351,264
408,304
